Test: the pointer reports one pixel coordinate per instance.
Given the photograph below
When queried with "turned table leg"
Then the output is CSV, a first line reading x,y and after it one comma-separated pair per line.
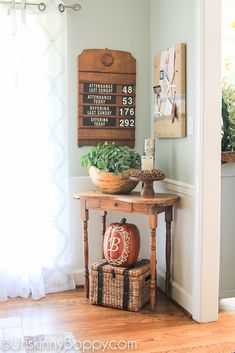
x,y
85,218
168,219
103,229
153,226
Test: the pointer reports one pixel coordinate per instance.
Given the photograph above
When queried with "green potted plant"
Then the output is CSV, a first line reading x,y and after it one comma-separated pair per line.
x,y
228,123
109,166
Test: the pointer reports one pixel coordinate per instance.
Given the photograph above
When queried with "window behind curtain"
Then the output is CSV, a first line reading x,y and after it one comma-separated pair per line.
x,y
34,237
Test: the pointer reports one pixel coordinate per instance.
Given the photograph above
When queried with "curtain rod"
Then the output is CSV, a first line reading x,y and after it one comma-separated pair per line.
x,y
42,6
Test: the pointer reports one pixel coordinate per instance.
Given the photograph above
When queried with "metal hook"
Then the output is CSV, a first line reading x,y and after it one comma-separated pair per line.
x,y
75,7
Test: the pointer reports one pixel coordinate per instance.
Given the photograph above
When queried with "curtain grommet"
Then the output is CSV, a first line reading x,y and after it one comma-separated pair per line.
x,y
61,7
41,6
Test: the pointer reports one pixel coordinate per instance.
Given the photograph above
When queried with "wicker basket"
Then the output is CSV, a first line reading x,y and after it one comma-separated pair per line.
x,y
119,287
109,183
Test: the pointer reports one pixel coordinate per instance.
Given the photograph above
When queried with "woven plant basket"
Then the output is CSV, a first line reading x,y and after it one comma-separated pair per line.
x,y
109,183
113,286
228,157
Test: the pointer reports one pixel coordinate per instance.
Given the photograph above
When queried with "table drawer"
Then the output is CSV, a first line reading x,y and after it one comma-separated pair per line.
x,y
116,205
140,208
92,203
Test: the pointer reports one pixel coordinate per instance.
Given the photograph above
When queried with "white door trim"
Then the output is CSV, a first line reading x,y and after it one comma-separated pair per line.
x,y
207,160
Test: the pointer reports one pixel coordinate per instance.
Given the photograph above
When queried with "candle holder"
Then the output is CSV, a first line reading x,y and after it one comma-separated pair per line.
x,y
147,177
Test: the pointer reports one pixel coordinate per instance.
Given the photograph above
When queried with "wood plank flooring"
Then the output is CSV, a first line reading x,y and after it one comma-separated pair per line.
x,y
10,329
166,330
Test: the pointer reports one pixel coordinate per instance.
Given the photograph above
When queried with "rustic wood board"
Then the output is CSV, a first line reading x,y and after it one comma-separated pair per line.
x,y
106,97
170,92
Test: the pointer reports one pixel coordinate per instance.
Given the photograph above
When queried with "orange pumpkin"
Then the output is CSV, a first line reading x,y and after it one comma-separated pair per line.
x,y
121,243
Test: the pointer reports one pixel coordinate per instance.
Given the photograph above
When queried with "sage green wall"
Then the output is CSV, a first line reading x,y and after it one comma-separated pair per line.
x,y
113,24
143,27
173,22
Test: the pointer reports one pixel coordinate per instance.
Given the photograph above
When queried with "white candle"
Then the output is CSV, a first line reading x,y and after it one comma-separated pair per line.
x,y
147,162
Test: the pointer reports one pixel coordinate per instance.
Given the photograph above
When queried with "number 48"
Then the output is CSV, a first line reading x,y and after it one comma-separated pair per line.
x,y
127,89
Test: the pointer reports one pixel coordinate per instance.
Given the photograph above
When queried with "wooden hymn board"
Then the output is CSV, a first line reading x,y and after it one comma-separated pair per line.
x,y
106,97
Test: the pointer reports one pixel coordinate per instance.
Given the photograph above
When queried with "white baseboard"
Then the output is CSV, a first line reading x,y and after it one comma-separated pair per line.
x,y
178,293
78,276
227,304
183,234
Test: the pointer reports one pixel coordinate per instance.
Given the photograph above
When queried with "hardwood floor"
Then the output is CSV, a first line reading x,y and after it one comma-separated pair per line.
x,y
167,330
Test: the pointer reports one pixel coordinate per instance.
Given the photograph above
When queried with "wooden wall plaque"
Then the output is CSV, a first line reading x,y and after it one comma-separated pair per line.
x,y
106,97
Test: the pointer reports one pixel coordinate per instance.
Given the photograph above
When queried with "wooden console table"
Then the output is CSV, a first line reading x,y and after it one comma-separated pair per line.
x,y
130,203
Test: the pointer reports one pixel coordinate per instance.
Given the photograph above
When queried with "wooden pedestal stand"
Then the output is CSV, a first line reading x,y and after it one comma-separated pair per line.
x,y
147,189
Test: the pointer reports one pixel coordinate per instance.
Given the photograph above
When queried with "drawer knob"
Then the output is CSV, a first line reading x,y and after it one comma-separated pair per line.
x,y
116,204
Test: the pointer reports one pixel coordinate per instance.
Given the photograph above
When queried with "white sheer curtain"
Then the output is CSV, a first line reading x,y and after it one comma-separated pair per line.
x,y
35,244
